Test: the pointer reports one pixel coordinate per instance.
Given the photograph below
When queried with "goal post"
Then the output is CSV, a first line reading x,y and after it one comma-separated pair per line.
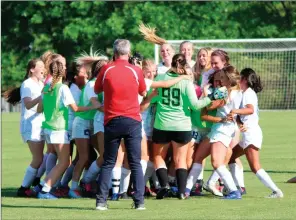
x,y
274,60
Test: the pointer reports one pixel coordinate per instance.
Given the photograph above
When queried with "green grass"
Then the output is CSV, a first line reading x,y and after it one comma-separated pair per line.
x,y
278,156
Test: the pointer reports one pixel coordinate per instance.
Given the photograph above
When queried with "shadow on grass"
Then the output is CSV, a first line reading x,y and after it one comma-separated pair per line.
x,y
9,192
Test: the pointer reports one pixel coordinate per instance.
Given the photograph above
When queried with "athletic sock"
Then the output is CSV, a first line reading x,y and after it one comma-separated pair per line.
x,y
29,177
200,176
50,162
74,185
144,166
237,174
181,175
42,167
116,174
193,174
149,172
162,175
213,178
155,180
92,173
46,188
226,177
67,176
125,179
266,180
84,175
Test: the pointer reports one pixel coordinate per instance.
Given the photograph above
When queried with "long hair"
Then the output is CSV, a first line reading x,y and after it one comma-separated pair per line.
x,y
74,71
252,78
179,64
223,56
13,95
197,68
57,70
233,75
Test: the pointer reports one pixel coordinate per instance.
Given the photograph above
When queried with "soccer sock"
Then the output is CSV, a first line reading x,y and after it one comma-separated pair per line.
x,y
50,162
149,171
237,174
162,175
266,180
226,177
200,176
144,166
67,176
74,185
213,178
29,177
193,174
92,173
125,179
42,167
116,174
181,175
155,180
84,175
46,188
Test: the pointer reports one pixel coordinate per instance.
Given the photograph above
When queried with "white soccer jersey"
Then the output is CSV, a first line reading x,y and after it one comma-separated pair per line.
x,y
29,117
76,92
250,97
205,77
162,69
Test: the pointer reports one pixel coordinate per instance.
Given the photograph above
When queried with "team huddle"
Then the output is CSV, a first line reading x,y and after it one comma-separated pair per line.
x,y
191,109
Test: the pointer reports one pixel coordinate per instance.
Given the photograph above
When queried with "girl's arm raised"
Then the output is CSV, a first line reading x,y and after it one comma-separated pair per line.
x,y
169,83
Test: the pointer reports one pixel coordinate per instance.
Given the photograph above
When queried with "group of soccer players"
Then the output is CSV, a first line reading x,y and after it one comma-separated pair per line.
x,y
186,117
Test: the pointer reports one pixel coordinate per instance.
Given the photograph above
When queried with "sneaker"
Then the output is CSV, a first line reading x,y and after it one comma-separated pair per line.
x,y
115,197
101,206
124,196
276,194
24,192
43,195
212,189
74,194
233,195
163,192
138,206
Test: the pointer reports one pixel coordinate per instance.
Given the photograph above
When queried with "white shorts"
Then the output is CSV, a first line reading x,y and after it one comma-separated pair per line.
x,y
98,122
82,128
199,134
253,136
32,136
223,133
31,129
56,137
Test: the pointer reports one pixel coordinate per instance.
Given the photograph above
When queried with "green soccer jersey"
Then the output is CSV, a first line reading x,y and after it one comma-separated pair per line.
x,y
56,117
175,104
197,122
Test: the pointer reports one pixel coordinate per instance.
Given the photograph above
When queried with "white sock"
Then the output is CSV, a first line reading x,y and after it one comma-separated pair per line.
x,y
149,171
74,185
193,174
46,188
92,173
226,177
84,174
42,167
29,177
200,177
67,176
213,178
155,180
144,166
116,174
125,179
266,180
237,174
50,162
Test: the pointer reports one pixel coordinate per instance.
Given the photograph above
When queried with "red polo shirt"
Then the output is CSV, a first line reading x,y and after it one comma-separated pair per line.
x,y
121,83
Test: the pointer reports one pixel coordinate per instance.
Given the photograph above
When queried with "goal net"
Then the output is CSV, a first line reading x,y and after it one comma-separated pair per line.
x,y
273,59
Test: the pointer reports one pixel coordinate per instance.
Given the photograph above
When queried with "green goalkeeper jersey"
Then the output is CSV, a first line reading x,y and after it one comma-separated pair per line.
x,y
175,104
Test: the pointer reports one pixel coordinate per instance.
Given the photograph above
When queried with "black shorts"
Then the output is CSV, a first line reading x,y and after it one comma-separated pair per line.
x,y
163,137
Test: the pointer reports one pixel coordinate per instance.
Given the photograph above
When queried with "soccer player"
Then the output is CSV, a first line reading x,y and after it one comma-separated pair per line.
x,y
30,125
202,64
251,141
186,48
220,136
166,53
56,99
173,125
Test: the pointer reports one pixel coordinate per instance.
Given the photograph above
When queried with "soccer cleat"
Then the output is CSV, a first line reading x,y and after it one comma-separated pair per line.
x,y
276,195
61,191
138,206
181,196
36,190
74,194
233,195
86,189
212,189
24,192
43,195
101,206
163,192
242,190
124,196
115,196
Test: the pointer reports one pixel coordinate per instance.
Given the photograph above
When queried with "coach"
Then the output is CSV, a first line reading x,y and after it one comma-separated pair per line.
x,y
121,83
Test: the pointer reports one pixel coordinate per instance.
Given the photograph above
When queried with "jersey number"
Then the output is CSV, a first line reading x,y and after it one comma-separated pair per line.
x,y
171,96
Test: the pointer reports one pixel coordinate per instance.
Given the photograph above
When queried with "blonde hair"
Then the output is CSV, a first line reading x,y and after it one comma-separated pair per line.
x,y
57,71
147,63
48,57
233,75
197,68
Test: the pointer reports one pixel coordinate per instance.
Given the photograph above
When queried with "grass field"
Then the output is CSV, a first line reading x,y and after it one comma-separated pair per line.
x,y
278,157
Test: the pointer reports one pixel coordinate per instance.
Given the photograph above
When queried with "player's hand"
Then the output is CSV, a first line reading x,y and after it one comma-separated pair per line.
x,y
230,117
242,128
205,89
